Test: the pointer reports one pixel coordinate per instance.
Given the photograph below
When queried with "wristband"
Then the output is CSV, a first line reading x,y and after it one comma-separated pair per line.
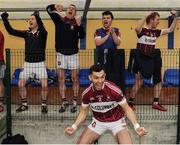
x,y
74,126
136,126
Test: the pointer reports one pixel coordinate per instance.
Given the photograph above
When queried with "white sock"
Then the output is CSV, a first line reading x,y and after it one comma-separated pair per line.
x,y
74,103
43,104
25,103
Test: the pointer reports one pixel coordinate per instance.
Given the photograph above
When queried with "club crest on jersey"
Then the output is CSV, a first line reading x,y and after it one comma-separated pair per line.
x,y
99,98
94,124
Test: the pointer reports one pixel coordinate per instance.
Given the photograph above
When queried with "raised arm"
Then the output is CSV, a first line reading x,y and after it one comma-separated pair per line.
x,y
173,25
8,27
81,32
141,23
40,23
80,27
81,117
53,11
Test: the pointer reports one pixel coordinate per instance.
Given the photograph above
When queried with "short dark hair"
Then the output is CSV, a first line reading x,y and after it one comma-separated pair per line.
x,y
151,17
96,68
108,13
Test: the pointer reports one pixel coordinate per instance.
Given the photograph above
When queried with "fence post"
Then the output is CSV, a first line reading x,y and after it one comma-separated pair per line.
x,y
8,94
178,120
95,56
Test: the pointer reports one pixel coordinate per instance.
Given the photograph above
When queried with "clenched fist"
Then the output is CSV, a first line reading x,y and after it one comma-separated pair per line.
x,y
69,130
174,13
58,7
78,20
141,131
4,16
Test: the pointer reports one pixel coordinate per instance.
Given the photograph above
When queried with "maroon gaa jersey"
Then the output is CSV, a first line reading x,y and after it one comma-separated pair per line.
x,y
147,39
104,103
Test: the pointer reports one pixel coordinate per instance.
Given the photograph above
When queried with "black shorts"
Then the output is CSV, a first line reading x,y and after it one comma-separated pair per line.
x,y
148,65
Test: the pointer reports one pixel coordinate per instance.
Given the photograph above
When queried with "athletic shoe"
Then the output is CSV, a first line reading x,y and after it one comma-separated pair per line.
x,y
73,108
158,106
62,109
44,109
1,108
21,108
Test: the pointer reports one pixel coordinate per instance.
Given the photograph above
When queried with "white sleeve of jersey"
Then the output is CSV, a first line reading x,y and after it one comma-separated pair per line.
x,y
97,37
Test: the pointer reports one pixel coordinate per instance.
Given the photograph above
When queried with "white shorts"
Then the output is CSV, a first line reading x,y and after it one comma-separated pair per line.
x,y
67,61
101,127
37,68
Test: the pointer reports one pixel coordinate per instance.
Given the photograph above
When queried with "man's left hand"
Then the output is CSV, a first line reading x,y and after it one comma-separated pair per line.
x,y
174,13
141,131
78,20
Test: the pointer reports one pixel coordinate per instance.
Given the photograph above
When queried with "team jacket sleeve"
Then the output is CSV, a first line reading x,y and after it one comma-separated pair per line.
x,y
14,32
81,31
53,14
40,24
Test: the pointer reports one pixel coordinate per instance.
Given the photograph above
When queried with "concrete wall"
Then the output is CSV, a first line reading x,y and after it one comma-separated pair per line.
x,y
39,132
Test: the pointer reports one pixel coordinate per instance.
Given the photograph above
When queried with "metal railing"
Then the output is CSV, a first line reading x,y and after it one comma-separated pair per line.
x,y
15,59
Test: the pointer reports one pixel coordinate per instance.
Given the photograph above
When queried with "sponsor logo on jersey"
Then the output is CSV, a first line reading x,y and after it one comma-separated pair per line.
x,y
103,107
99,97
150,40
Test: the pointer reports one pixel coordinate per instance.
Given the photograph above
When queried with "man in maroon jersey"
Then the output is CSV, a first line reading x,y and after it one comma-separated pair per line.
x,y
2,69
109,107
147,60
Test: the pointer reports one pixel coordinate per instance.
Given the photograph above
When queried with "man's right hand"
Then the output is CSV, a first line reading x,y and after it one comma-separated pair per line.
x,y
4,16
58,7
69,130
174,13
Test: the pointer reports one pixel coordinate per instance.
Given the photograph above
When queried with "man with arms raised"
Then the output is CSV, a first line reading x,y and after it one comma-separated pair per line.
x,y
147,59
109,108
68,31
